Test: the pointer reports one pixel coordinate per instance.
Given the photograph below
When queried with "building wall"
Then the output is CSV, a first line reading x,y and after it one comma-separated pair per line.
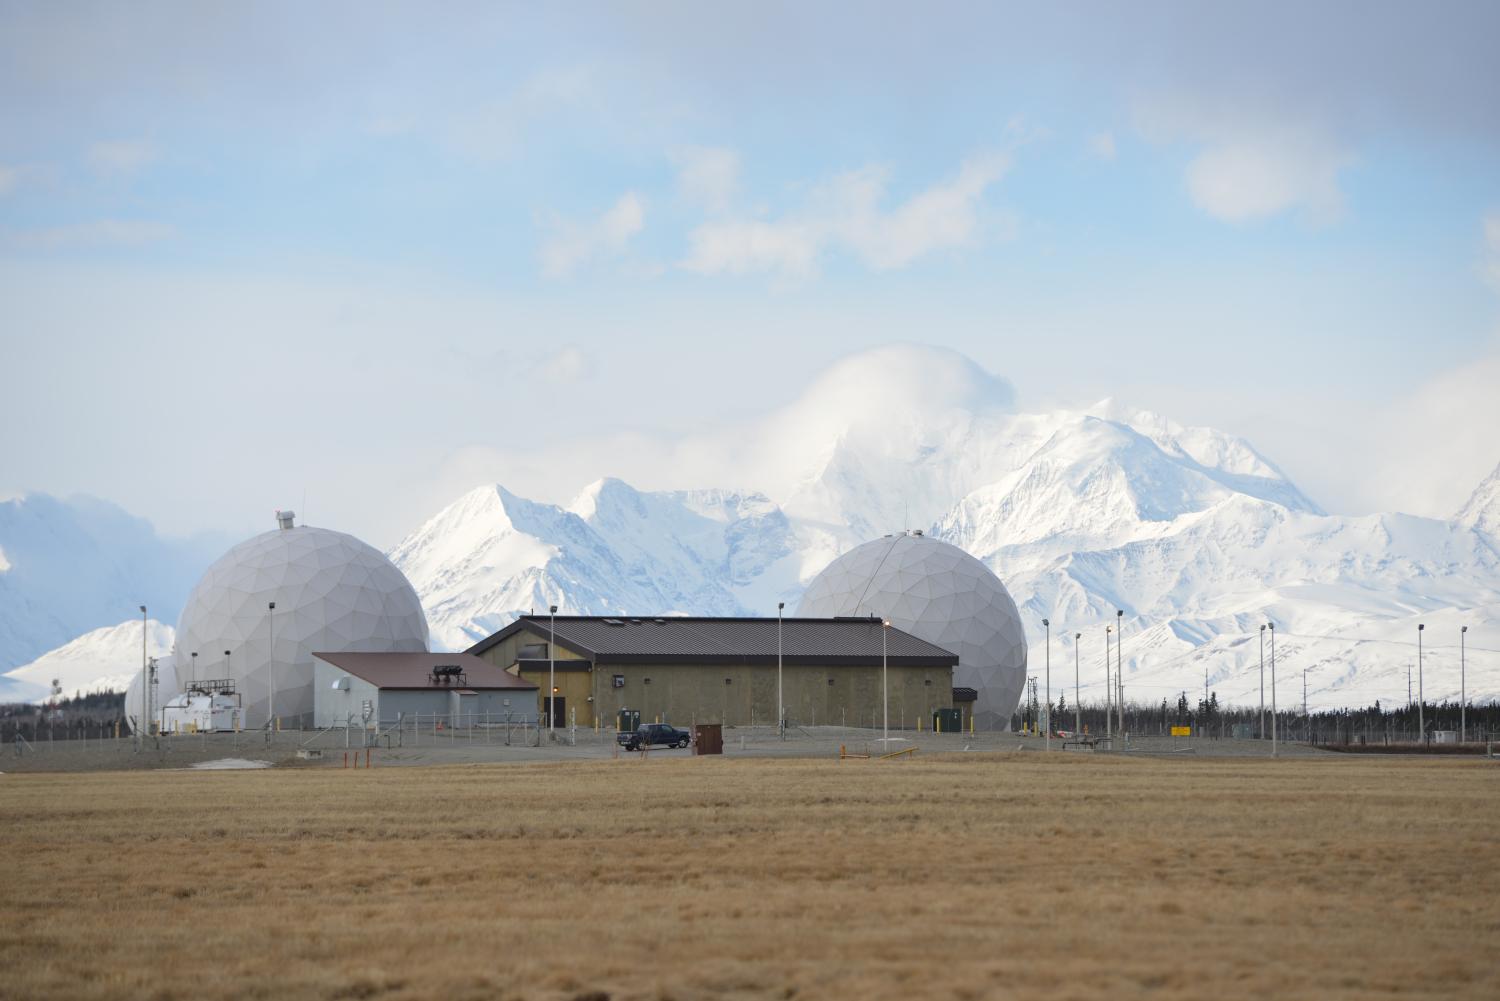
x,y
686,693
332,707
574,687
505,653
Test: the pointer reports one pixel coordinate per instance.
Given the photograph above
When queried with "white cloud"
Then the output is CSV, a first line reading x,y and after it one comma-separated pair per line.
x,y
1252,164
571,245
121,156
100,233
846,214
708,176
1103,145
1492,250
567,366
1260,176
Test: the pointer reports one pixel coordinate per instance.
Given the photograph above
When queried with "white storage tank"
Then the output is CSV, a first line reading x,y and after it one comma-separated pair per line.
x,y
202,710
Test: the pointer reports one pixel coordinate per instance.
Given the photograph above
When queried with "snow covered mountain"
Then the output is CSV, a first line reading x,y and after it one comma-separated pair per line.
x,y
99,660
1193,534
1197,537
70,566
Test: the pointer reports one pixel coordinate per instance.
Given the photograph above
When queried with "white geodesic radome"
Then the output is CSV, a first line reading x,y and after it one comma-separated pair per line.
x,y
332,593
939,593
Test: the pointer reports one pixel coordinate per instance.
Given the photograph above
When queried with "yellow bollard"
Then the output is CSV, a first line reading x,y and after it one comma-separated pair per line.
x,y
971,723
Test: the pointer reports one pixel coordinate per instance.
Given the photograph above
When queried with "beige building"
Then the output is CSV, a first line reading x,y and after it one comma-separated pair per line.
x,y
723,670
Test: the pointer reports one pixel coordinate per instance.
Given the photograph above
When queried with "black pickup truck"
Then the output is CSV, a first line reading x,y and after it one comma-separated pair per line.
x,y
652,735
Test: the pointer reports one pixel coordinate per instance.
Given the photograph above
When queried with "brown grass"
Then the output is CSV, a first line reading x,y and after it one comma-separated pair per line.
x,y
968,876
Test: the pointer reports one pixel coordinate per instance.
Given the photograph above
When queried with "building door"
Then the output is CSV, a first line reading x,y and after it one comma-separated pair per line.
x,y
555,708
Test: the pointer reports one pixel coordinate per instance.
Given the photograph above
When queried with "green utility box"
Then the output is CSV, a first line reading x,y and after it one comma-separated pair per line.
x,y
630,720
948,720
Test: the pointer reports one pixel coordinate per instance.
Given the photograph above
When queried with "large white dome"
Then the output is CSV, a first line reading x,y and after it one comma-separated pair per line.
x,y
939,593
332,593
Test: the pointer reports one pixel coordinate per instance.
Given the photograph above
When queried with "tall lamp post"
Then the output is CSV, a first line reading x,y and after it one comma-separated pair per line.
x,y
1262,716
1421,719
194,668
885,697
1120,668
1305,671
1463,691
1047,716
780,702
145,681
1272,626
271,629
1109,709
552,673
1077,706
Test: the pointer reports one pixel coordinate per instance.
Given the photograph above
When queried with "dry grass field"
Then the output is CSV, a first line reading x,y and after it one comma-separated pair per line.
x,y
967,876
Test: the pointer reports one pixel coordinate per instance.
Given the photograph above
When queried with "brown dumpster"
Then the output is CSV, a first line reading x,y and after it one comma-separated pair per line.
x,y
708,738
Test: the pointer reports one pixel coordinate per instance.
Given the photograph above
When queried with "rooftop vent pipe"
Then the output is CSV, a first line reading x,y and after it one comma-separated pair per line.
x,y
284,519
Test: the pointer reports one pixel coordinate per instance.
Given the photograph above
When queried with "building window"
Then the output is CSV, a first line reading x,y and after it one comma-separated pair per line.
x,y
830,682
728,681
619,681
533,651
646,681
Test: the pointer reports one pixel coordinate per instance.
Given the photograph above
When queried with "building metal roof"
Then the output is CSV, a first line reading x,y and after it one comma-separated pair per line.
x,y
616,639
414,670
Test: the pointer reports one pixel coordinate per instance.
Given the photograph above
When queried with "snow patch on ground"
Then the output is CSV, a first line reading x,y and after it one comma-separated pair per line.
x,y
229,764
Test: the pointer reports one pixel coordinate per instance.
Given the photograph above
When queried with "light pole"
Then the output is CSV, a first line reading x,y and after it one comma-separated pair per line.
x,y
1077,706
1463,692
885,697
1262,716
1421,719
780,701
145,681
194,663
1108,692
1047,741
1305,670
1272,626
552,674
271,629
1120,668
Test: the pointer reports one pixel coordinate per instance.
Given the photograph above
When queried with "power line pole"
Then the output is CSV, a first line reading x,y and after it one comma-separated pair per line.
x,y
1077,706
1463,691
1047,741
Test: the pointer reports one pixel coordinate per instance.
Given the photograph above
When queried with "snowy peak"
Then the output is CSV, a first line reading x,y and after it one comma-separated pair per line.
x,y
103,659
1482,510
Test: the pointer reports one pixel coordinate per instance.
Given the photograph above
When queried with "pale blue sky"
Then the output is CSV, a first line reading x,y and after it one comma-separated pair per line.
x,y
250,251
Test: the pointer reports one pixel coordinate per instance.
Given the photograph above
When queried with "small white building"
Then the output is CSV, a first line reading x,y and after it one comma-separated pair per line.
x,y
210,707
377,689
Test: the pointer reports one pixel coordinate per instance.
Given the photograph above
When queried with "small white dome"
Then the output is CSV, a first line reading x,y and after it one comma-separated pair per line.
x,y
332,593
939,593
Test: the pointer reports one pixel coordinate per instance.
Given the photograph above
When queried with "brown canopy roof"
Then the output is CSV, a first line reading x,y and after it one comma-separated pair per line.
x,y
620,639
414,670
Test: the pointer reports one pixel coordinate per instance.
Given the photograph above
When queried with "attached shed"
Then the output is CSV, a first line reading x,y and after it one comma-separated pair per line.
x,y
361,689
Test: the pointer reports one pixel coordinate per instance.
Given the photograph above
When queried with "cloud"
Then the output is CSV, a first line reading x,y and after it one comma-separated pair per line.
x,y
1431,448
571,364
100,233
1492,250
121,156
571,245
1103,145
846,214
708,176
1252,163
